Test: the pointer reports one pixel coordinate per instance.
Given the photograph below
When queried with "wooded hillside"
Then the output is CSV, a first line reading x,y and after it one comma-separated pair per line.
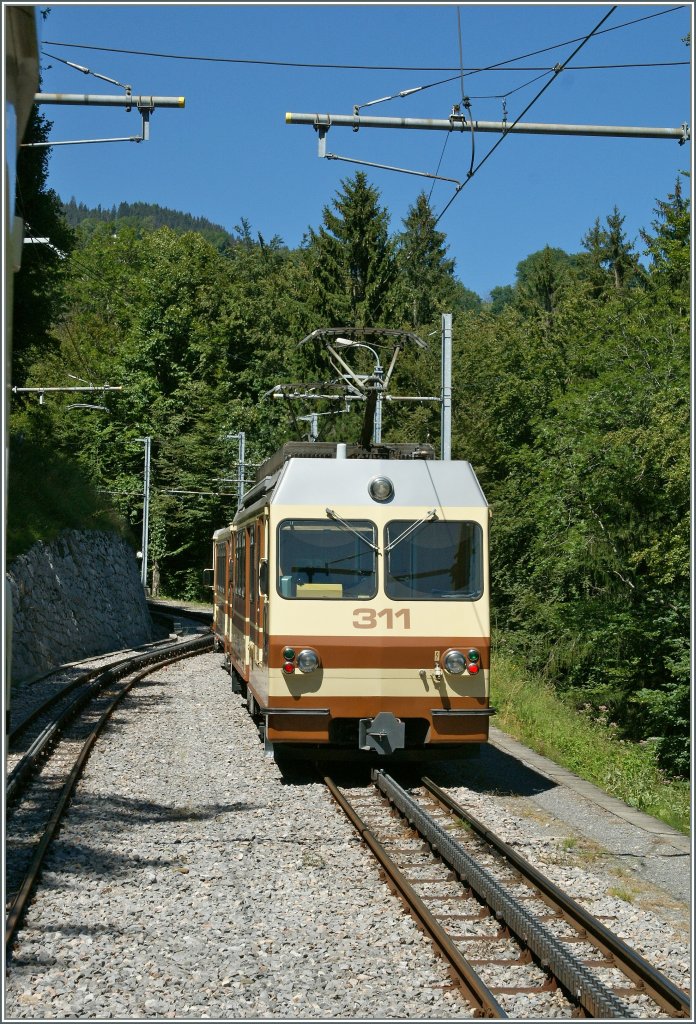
x,y
571,399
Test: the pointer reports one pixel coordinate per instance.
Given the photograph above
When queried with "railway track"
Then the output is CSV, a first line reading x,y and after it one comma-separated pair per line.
x,y
160,610
515,943
56,738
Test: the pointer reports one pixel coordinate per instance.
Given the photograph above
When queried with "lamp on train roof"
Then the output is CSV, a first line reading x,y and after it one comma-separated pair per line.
x,y
381,488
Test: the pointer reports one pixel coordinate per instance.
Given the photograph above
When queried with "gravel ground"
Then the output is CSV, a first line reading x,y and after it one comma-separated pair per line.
x,y
193,879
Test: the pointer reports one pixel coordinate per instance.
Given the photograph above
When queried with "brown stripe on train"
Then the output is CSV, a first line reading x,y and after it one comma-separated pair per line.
x,y
377,652
454,729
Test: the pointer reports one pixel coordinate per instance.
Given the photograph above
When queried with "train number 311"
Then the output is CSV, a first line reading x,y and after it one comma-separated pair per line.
x,y
366,618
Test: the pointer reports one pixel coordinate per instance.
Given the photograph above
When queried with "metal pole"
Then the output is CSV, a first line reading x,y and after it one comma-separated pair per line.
x,y
241,437
105,387
379,373
96,100
146,508
446,408
322,122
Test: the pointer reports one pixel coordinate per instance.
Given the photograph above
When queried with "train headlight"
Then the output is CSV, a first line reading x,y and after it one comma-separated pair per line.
x,y
307,660
473,654
288,654
381,488
455,662
473,668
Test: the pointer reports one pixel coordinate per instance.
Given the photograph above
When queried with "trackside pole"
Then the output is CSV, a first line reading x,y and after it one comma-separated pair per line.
x,y
446,390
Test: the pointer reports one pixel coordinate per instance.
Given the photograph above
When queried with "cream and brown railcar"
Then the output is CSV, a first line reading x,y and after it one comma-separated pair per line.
x,y
352,602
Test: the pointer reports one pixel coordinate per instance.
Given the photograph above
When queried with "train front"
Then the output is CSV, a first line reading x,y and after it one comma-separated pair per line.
x,y
378,624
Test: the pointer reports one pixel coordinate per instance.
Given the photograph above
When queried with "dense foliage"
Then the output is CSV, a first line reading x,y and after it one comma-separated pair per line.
x,y
571,400
143,217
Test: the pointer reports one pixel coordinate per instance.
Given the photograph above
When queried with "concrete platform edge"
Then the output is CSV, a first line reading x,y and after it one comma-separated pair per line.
x,y
563,777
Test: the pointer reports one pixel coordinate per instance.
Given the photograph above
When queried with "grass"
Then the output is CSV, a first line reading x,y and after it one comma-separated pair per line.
x,y
530,710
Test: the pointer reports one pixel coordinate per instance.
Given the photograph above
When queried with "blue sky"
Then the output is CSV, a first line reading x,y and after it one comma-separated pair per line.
x,y
229,153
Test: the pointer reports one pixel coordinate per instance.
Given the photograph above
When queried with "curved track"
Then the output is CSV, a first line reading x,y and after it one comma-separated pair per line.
x,y
41,783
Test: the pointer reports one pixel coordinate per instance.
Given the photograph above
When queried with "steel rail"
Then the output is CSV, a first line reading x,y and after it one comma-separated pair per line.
x,y
85,677
595,999
46,705
666,994
169,611
23,895
478,994
154,609
104,676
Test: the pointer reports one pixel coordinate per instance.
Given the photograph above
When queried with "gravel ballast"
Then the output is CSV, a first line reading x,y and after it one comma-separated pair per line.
x,y
192,879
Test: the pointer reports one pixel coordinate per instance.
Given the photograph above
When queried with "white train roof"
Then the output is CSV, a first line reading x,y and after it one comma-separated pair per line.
x,y
416,482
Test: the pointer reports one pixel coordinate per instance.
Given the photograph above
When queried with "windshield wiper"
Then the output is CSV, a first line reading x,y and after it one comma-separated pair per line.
x,y
332,515
431,517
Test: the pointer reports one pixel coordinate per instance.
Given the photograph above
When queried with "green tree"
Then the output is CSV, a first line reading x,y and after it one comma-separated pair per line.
x,y
351,260
668,247
500,297
426,273
610,263
543,280
39,282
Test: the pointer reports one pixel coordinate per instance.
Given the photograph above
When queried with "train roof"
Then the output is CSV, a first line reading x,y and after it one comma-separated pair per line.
x,y
325,480
328,450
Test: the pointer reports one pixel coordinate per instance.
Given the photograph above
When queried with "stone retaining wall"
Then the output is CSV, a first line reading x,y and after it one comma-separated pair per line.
x,y
76,596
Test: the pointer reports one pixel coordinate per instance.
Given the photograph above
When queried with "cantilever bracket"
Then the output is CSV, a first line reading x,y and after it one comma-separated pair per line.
x,y
321,145
321,125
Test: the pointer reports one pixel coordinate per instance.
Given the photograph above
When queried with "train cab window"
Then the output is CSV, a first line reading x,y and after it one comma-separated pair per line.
x,y
436,561
317,559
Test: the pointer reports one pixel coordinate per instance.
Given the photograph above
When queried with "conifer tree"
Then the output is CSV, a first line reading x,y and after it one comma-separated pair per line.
x,y
610,263
543,280
669,245
352,261
425,269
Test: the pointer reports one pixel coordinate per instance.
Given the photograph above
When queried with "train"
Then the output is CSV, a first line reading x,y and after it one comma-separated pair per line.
x,y
351,603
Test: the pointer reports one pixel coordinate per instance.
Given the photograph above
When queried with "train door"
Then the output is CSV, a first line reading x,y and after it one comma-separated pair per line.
x,y
253,592
229,592
239,602
262,579
220,588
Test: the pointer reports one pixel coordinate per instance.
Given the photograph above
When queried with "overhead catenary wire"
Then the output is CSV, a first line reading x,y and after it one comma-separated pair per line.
x,y
437,169
381,67
557,71
86,71
466,105
461,56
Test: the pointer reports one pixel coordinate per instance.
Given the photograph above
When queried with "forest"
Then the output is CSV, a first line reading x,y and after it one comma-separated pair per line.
x,y
571,401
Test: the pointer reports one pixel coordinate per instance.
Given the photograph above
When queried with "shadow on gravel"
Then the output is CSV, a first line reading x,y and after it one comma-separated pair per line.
x,y
113,811
81,859
492,772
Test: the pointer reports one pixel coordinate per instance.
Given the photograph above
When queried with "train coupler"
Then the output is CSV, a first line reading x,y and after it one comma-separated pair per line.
x,y
382,734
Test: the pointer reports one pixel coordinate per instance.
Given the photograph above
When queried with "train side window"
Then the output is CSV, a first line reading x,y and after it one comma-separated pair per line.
x,y
438,561
240,565
220,568
325,560
253,581
263,577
